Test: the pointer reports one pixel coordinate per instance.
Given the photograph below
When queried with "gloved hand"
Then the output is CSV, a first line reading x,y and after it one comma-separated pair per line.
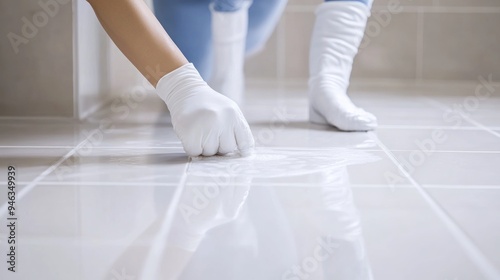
x,y
205,121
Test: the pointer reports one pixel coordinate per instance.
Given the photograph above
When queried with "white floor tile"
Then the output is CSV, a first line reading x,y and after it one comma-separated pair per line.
x,y
138,166
406,240
137,136
43,133
29,162
311,203
476,212
438,139
451,168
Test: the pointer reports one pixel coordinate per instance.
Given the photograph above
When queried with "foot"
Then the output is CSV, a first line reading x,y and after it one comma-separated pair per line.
x,y
334,107
337,34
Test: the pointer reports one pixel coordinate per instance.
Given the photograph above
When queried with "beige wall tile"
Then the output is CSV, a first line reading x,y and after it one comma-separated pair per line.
x,y
455,46
467,3
389,49
264,64
298,29
461,46
441,3
38,80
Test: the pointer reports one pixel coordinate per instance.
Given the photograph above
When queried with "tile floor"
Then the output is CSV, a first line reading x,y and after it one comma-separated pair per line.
x,y
115,197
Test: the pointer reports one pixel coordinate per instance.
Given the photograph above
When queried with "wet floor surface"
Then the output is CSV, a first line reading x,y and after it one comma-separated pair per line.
x,y
115,197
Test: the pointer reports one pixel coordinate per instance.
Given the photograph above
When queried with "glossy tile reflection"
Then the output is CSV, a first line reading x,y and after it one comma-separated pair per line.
x,y
310,203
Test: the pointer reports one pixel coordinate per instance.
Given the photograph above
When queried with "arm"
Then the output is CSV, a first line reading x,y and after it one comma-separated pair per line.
x,y
206,122
139,35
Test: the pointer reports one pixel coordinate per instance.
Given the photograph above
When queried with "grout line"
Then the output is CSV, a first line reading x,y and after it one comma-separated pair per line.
x,y
480,125
304,149
154,258
451,151
411,9
477,257
468,119
45,173
391,83
79,223
38,118
76,38
277,184
96,183
259,184
96,108
430,186
96,148
35,147
380,150
256,185
463,187
450,127
420,46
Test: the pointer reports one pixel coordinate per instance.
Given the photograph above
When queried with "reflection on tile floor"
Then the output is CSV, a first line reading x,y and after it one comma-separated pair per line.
x,y
116,198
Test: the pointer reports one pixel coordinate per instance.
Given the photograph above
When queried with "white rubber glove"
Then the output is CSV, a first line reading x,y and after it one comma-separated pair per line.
x,y
205,121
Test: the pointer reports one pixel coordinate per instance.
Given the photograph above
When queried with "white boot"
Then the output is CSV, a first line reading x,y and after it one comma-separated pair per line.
x,y
229,32
337,34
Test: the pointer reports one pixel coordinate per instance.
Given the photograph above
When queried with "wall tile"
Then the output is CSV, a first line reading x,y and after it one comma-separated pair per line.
x,y
389,49
449,50
298,29
264,64
441,3
467,3
38,80
461,46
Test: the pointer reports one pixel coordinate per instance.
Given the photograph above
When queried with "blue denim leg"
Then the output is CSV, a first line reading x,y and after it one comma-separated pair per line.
x,y
188,22
263,16
228,5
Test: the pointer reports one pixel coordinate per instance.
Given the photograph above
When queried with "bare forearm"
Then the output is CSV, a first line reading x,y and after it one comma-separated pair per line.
x,y
139,35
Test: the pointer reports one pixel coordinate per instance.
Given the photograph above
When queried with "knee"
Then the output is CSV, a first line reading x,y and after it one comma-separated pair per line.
x,y
254,45
227,5
264,15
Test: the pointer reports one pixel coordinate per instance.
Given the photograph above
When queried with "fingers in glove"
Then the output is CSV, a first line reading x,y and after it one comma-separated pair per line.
x,y
211,145
244,138
193,147
227,143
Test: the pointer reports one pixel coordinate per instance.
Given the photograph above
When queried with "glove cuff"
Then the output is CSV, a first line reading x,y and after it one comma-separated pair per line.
x,y
174,85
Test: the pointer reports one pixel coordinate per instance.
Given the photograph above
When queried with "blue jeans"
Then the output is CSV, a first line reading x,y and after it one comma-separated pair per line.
x,y
188,22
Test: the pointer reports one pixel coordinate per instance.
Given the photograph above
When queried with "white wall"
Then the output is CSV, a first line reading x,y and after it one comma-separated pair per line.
x,y
101,71
65,67
36,65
